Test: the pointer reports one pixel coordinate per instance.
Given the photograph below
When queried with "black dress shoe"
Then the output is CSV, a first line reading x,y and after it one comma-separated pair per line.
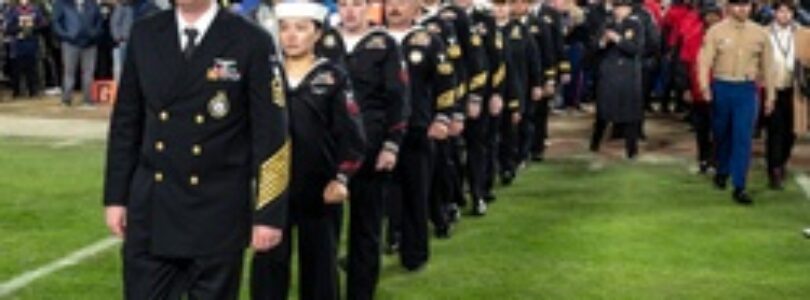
x,y
720,181
443,232
507,178
741,197
453,213
414,267
490,197
479,208
704,167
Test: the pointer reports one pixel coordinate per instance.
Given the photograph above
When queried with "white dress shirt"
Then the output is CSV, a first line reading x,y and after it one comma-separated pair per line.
x,y
201,25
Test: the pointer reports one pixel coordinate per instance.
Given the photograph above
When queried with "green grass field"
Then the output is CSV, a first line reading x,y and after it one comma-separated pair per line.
x,y
563,231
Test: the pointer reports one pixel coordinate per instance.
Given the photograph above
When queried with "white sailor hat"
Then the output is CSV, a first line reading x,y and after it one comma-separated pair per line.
x,y
301,9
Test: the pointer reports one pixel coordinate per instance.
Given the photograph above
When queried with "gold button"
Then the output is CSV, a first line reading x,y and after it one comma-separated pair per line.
x,y
159,146
196,150
194,180
158,176
199,119
164,116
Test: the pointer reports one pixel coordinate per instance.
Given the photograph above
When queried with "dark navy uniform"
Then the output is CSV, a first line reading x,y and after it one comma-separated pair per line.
x,y
198,153
555,65
447,193
380,79
619,98
432,90
481,133
328,143
523,74
534,125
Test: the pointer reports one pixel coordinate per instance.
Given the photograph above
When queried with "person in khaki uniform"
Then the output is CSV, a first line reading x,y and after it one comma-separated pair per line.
x,y
735,55
782,110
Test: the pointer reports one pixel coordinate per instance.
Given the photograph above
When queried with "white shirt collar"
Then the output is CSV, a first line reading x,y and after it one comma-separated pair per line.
x,y
202,24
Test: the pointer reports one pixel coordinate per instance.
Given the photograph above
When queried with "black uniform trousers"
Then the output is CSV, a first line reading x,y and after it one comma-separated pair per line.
x,y
317,260
367,190
702,122
414,174
630,130
541,110
527,131
780,137
476,135
149,277
508,147
25,70
493,153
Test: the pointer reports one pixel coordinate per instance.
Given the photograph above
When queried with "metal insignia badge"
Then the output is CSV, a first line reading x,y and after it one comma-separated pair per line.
x,y
629,34
534,29
475,40
445,68
454,51
219,106
516,33
547,19
329,41
415,57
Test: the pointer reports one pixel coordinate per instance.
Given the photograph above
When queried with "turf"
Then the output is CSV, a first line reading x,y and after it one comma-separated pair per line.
x,y
563,231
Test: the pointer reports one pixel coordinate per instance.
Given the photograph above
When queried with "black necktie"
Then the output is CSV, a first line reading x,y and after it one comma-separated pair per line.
x,y
191,45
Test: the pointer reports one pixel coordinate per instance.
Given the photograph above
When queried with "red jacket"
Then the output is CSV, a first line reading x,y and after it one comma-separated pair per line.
x,y
671,22
690,31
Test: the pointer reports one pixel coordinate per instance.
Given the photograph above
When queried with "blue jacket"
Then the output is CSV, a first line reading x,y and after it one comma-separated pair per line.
x,y
24,23
75,28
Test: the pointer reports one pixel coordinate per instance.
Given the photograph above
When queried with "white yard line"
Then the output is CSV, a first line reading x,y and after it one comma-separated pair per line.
x,y
804,182
24,279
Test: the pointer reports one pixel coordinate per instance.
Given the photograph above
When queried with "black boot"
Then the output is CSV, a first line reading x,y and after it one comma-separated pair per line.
x,y
720,181
741,197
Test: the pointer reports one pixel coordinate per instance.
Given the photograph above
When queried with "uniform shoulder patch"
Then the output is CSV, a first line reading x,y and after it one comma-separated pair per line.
x,y
377,41
419,38
277,88
329,40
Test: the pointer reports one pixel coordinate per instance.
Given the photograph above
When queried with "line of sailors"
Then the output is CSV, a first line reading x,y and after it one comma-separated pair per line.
x,y
414,120
408,122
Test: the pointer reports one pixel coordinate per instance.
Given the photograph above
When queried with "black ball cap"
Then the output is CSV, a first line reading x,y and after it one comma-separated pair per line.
x,y
739,1
623,2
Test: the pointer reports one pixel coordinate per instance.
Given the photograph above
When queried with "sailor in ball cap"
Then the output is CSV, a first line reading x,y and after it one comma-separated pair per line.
x,y
328,143
380,81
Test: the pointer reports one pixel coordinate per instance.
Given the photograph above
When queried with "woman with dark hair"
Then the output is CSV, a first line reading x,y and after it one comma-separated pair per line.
x,y
328,142
619,98
780,112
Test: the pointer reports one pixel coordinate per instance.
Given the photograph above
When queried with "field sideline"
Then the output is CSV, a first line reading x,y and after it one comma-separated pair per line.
x,y
565,230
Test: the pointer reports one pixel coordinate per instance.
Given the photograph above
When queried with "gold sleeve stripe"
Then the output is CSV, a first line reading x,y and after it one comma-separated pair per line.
x,y
499,75
551,72
478,81
446,99
565,66
514,104
274,176
461,90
